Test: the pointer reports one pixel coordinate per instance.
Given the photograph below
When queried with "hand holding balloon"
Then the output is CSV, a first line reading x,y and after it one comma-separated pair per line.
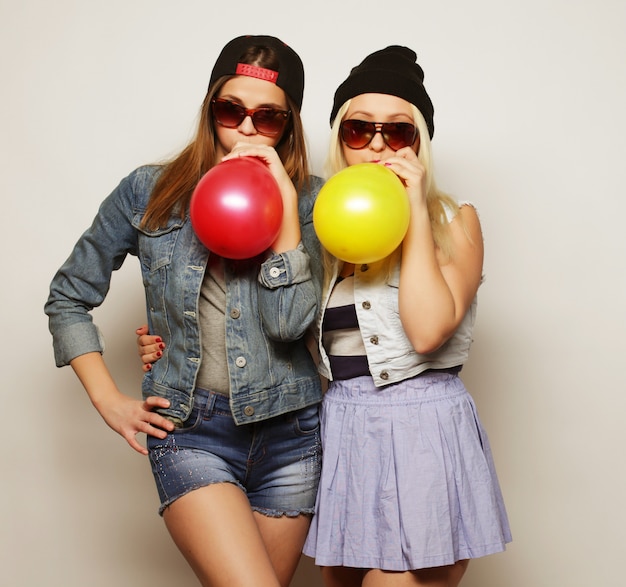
x,y
236,209
362,213
266,154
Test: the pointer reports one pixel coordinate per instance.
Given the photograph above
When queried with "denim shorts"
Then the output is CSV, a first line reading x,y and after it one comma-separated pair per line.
x,y
276,462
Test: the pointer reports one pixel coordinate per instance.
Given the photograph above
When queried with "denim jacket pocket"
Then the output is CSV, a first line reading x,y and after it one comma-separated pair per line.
x,y
156,247
390,300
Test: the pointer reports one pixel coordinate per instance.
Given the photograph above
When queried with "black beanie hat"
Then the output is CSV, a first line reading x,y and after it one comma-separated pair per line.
x,y
290,74
389,71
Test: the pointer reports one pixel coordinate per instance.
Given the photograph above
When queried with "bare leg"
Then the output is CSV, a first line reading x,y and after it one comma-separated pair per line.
x,y
217,533
456,572
283,538
448,576
342,577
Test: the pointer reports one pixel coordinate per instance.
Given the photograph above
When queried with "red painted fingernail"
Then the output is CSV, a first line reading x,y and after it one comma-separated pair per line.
x,y
159,353
161,346
159,339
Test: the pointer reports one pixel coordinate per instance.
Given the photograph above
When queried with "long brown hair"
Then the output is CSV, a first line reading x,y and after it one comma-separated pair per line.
x,y
174,187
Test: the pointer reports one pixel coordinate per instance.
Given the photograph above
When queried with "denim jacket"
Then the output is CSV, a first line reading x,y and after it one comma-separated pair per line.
x,y
270,304
390,354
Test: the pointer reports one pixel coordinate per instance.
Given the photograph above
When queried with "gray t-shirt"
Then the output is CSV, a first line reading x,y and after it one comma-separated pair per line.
x,y
213,372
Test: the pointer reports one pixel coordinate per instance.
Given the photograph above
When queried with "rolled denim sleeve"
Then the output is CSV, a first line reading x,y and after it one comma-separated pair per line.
x,y
83,281
290,283
288,296
78,339
287,268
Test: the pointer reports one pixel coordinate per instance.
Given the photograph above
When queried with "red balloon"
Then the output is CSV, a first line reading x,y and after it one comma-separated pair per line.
x,y
236,209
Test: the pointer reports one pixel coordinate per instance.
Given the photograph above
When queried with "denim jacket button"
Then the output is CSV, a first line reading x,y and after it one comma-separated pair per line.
x,y
248,411
274,272
235,313
240,361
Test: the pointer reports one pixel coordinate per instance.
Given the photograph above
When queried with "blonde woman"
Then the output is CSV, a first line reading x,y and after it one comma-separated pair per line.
x,y
408,492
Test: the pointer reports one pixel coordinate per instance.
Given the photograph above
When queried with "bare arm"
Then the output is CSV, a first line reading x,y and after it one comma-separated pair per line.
x,y
125,415
435,293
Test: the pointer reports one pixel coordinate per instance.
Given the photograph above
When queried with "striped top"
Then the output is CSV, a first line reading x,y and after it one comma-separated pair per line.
x,y
341,336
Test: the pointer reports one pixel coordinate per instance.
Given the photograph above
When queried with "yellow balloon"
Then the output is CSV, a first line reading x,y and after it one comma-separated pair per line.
x,y
361,213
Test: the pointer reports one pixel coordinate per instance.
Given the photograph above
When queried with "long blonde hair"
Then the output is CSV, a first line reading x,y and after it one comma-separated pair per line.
x,y
174,186
437,201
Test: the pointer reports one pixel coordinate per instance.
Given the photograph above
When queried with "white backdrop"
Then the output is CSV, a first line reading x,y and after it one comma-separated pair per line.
x,y
529,111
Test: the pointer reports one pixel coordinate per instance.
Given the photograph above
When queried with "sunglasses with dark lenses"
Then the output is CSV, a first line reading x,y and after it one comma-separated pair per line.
x,y
267,121
357,134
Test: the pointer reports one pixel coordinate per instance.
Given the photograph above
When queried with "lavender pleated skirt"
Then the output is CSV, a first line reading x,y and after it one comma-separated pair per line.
x,y
408,479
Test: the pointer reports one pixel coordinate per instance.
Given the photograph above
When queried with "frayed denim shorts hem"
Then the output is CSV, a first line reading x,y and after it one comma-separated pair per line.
x,y
276,462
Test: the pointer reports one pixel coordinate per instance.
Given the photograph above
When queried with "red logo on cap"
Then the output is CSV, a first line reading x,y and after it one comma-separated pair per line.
x,y
258,72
